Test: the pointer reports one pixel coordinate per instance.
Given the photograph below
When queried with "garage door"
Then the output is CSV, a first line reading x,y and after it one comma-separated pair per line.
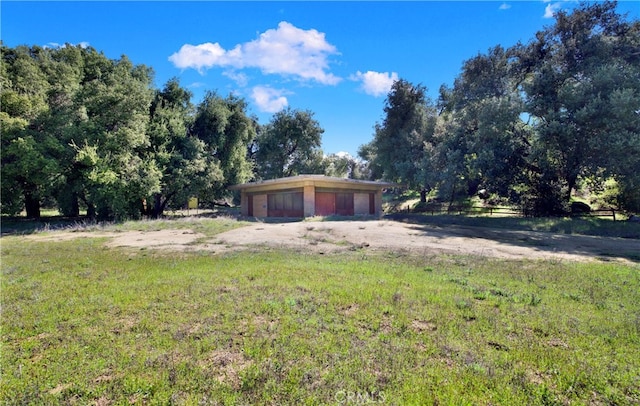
x,y
285,204
330,203
325,204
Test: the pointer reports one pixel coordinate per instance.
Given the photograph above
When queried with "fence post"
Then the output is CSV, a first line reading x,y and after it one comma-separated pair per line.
x,y
613,211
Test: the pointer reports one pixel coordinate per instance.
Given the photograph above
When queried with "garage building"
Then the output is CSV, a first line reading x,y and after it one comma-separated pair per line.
x,y
311,195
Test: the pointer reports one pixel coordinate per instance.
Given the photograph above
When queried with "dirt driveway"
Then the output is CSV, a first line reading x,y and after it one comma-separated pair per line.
x,y
380,235
384,235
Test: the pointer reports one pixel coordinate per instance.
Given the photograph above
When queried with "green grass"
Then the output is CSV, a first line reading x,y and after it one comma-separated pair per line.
x,y
86,324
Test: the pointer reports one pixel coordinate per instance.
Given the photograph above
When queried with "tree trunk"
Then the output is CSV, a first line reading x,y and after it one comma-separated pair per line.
x,y
157,206
571,184
75,206
453,196
91,211
32,206
423,196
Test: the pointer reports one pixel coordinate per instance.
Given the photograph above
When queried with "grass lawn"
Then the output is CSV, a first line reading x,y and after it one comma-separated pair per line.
x,y
85,324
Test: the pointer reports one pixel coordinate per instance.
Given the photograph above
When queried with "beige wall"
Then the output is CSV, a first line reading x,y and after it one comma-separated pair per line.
x,y
361,203
309,201
379,203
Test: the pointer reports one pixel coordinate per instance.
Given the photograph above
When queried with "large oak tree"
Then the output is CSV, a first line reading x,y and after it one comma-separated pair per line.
x,y
289,145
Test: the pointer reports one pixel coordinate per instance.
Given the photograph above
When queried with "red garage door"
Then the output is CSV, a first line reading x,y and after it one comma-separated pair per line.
x,y
325,204
329,203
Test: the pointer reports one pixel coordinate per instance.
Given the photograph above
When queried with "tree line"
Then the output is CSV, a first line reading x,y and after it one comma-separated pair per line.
x,y
82,131
526,125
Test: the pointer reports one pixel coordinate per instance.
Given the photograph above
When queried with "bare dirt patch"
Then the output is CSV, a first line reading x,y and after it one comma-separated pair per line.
x,y
161,239
385,235
377,235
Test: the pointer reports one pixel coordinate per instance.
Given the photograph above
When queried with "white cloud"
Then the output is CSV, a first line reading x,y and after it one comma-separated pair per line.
x,y
551,9
56,45
375,83
343,154
199,56
240,78
504,6
268,99
286,50
196,85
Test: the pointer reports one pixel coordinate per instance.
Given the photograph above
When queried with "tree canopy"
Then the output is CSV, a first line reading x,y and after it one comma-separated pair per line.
x,y
82,131
528,123
289,145
531,124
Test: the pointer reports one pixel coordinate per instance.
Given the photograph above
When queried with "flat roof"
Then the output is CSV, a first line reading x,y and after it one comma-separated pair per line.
x,y
316,180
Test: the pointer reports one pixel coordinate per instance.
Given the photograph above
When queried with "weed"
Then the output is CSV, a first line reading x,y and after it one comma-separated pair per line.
x,y
535,300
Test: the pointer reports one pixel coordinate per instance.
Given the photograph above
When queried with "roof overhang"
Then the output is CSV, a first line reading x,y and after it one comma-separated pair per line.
x,y
320,181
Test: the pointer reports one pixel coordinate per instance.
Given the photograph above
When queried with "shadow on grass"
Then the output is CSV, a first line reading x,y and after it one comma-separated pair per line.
x,y
601,239
558,225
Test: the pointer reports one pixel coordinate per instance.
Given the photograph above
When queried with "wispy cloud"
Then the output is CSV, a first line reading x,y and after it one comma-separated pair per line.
x,y
82,44
504,6
286,51
196,85
268,99
375,83
240,78
551,9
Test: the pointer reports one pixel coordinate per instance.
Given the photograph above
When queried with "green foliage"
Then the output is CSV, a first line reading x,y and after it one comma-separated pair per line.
x,y
581,95
26,165
344,166
86,126
397,150
226,131
181,157
89,132
629,196
289,145
481,141
528,123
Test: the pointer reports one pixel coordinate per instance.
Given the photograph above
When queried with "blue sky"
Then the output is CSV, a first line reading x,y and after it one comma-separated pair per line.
x,y
336,59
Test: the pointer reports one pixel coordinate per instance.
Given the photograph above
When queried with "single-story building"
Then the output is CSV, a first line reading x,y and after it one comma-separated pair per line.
x,y
311,195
